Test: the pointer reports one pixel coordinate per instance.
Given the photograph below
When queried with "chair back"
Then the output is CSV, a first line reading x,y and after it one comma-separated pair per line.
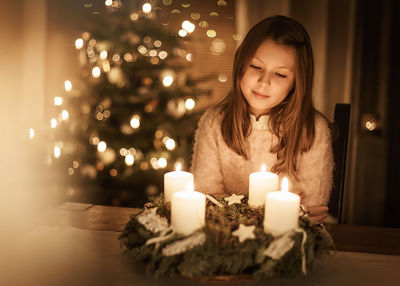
x,y
340,136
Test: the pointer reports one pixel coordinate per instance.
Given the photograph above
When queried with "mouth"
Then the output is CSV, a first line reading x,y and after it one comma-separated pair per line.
x,y
259,95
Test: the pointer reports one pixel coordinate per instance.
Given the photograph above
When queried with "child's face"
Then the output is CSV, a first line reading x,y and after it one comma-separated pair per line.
x,y
269,77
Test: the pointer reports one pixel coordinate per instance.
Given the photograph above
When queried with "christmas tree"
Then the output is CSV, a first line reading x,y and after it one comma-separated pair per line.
x,y
133,119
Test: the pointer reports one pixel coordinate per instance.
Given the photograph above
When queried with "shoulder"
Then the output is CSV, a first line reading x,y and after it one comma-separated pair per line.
x,y
212,117
322,128
321,123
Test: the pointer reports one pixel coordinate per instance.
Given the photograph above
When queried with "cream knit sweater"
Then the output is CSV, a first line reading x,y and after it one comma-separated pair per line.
x,y
218,170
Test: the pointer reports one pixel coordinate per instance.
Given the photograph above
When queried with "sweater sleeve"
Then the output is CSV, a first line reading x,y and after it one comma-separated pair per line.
x,y
315,167
206,166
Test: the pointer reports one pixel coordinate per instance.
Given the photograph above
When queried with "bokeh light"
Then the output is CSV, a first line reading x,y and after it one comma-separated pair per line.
x,y
190,103
135,121
146,8
58,101
129,160
96,72
182,33
79,43
167,80
67,85
170,144
162,163
188,26
102,146
64,114
31,133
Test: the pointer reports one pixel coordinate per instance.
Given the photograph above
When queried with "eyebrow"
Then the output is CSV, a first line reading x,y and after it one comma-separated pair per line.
x,y
280,67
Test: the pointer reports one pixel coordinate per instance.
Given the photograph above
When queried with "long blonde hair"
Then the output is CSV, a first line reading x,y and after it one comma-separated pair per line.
x,y
292,120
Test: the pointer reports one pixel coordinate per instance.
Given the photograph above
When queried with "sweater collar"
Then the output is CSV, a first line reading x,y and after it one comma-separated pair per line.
x,y
260,124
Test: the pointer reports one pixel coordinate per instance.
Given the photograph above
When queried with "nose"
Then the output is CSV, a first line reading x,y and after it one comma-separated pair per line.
x,y
264,79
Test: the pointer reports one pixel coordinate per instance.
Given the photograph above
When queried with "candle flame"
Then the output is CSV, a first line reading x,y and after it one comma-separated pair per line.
x,y
263,168
285,185
178,167
31,133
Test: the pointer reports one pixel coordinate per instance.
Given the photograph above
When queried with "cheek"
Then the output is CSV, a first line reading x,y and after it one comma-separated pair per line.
x,y
284,87
243,82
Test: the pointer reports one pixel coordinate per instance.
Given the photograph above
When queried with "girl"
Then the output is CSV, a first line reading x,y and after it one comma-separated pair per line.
x,y
268,118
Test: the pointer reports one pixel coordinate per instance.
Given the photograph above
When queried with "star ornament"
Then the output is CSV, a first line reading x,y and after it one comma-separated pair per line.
x,y
234,199
244,232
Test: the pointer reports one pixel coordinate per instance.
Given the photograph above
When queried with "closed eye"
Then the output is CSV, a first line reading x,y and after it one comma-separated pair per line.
x,y
281,75
255,67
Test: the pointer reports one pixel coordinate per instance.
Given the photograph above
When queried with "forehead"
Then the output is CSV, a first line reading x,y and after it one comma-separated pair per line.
x,y
274,54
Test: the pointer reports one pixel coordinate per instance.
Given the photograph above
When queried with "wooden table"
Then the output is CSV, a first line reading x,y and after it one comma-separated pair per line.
x,y
77,244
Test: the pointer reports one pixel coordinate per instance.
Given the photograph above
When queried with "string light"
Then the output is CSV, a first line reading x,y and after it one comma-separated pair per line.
x,y
182,33
106,113
170,144
102,146
75,164
162,163
94,140
162,55
221,3
106,66
134,16
113,172
153,53
58,101
370,125
123,152
154,163
189,57
53,123
211,33
67,85
158,134
190,103
188,26
103,55
116,57
108,2
31,133
157,43
57,151
203,24
167,80
195,16
135,121
79,43
128,57
99,116
146,8
129,160
64,114
96,72
142,50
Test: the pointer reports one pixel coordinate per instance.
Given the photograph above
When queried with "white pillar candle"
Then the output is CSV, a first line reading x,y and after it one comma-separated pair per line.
x,y
176,181
281,211
188,211
260,183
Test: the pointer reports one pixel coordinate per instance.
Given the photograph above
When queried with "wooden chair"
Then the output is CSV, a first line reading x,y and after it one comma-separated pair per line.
x,y
340,134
